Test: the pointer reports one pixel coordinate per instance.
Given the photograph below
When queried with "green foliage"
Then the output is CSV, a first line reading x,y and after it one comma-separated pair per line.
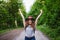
x,y
50,17
9,13
52,34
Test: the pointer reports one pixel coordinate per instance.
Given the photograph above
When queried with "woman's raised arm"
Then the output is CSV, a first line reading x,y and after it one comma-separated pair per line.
x,y
22,17
38,18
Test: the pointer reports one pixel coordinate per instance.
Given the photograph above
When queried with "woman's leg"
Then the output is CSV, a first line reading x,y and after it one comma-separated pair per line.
x,y
26,38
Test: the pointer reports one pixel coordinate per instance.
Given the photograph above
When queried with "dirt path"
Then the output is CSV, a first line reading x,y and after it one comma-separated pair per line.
x,y
12,34
20,34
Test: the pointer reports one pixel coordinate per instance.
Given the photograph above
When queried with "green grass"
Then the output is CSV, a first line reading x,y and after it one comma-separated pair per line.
x,y
3,31
51,33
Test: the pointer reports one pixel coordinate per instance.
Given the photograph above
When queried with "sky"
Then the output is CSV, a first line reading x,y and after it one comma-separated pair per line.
x,y
28,4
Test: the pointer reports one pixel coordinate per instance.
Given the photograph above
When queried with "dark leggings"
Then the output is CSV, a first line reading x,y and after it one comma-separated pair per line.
x,y
31,38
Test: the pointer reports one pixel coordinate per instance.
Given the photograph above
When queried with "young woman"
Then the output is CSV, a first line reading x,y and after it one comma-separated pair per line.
x,y
29,28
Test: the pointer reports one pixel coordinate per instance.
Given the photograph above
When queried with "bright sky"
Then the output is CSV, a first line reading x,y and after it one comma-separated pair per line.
x,y
28,4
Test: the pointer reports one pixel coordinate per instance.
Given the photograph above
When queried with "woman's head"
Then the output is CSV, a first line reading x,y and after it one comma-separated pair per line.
x,y
30,20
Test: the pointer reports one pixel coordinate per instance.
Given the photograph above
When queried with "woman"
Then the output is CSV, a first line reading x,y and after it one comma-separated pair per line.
x,y
29,28
29,25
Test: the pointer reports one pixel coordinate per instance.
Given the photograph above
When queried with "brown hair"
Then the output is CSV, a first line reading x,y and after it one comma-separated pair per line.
x,y
27,23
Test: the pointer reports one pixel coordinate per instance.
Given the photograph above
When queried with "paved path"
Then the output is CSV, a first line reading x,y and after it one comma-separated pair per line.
x,y
20,34
11,35
38,35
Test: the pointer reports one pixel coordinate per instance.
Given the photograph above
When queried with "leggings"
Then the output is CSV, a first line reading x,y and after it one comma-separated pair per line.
x,y
30,38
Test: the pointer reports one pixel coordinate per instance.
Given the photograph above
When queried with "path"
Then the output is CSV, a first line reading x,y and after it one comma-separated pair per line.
x,y
20,34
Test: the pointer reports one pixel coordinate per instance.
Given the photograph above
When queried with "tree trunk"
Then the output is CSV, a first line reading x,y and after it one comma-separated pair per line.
x,y
16,23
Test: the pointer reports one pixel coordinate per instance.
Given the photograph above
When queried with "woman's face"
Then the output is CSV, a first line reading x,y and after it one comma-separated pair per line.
x,y
30,21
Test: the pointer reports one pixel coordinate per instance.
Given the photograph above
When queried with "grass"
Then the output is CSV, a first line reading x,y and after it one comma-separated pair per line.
x,y
2,32
51,33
